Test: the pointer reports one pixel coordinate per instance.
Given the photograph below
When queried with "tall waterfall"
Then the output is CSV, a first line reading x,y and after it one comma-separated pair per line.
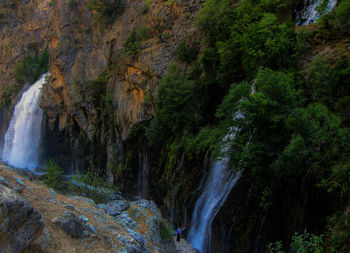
x,y
22,137
219,184
308,10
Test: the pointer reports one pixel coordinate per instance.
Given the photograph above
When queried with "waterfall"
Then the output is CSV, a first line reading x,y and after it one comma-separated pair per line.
x,y
308,10
219,184
22,138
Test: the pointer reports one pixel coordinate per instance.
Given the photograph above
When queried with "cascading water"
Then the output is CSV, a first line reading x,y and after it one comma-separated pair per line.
x,y
219,184
22,138
308,10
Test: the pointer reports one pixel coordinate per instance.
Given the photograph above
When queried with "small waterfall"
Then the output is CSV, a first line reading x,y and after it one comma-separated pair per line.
x,y
307,11
22,138
219,184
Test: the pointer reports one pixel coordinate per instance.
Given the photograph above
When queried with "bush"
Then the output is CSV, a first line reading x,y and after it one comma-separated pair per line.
x,y
186,53
54,175
145,7
343,12
7,94
306,242
132,43
30,68
106,10
175,94
301,243
144,32
165,230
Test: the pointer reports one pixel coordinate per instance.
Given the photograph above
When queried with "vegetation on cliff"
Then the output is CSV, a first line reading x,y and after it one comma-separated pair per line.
x,y
294,136
27,70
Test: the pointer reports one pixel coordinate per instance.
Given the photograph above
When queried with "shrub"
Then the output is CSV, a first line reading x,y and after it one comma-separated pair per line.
x,y
175,94
8,94
144,32
132,43
145,7
306,242
31,67
186,53
165,229
106,10
343,12
54,175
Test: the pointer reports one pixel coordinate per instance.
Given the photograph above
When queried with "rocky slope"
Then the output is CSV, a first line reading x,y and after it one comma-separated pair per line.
x,y
37,219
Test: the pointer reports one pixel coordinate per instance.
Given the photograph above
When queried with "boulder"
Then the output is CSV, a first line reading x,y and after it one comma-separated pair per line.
x,y
70,224
20,223
116,207
4,182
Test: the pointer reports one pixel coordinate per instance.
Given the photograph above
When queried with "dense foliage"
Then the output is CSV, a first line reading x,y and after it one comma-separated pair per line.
x,y
31,67
27,70
291,122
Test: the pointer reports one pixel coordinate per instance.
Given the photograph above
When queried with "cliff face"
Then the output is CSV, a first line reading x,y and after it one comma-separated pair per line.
x,y
81,49
24,28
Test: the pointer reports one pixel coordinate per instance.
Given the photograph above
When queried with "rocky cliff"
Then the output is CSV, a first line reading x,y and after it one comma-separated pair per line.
x,y
81,49
35,218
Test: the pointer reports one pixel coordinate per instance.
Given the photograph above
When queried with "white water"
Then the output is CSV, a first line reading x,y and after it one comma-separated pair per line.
x,y
219,184
22,137
309,13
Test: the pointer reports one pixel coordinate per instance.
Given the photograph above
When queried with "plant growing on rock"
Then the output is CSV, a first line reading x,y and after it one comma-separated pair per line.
x,y
106,10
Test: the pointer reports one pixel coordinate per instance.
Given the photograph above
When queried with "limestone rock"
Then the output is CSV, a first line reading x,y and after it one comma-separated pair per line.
x,y
20,223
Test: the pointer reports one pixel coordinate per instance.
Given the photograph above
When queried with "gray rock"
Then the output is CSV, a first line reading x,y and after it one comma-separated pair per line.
x,y
85,234
102,206
19,181
70,207
4,182
53,193
45,239
137,236
135,249
83,218
92,229
20,223
116,207
70,224
17,188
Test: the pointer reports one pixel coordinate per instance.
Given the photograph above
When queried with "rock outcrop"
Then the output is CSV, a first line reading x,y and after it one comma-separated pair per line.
x,y
20,223
47,222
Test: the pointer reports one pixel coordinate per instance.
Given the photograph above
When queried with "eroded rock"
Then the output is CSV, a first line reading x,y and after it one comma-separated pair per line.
x,y
20,223
70,224
116,207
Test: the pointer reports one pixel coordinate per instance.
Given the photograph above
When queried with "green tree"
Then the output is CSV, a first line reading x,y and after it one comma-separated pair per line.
x,y
177,107
54,175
